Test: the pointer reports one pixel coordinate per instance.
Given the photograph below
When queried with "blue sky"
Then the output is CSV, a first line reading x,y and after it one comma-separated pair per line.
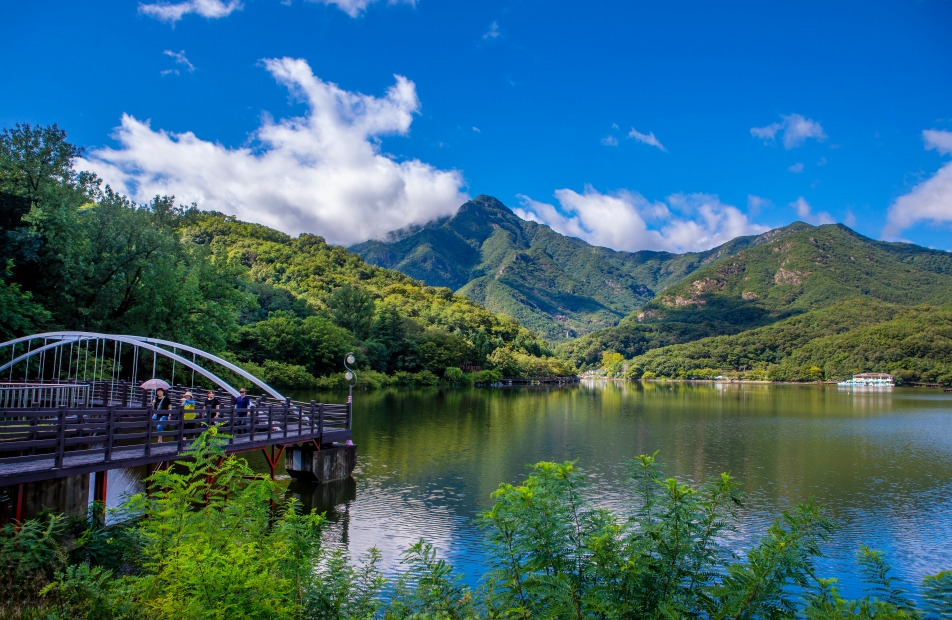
x,y
671,126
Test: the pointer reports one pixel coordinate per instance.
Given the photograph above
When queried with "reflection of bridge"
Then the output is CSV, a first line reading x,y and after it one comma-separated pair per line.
x,y
72,405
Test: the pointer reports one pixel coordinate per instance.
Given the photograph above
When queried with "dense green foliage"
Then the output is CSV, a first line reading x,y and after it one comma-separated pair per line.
x,y
210,541
789,272
76,255
556,285
912,343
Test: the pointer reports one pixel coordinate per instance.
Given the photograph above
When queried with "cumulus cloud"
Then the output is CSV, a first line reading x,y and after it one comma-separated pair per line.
x,y
322,173
796,168
930,200
647,138
628,221
174,11
939,140
794,130
805,213
610,141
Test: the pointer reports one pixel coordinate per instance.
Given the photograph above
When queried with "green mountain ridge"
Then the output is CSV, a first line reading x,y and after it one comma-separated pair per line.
x,y
557,285
858,335
800,269
636,302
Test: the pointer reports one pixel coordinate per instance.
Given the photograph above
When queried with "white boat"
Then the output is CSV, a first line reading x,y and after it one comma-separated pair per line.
x,y
870,380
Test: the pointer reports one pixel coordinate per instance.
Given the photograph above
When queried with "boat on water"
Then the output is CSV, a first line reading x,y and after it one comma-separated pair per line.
x,y
869,380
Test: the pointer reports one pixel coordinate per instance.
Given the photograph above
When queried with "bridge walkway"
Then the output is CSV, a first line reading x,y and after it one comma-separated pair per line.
x,y
39,444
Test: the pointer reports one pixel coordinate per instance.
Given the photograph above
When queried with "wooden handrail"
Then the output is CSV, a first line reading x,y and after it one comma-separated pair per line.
x,y
63,440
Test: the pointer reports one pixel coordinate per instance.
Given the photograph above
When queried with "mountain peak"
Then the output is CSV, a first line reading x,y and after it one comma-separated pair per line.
x,y
484,203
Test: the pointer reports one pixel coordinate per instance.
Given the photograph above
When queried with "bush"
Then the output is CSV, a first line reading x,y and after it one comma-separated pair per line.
x,y
425,378
213,541
486,377
453,375
280,374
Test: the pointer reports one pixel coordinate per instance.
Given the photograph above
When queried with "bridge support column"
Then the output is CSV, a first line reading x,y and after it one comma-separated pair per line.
x,y
273,458
14,504
100,484
309,464
26,500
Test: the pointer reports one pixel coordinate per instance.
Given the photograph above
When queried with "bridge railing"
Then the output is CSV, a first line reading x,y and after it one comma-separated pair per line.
x,y
106,434
21,395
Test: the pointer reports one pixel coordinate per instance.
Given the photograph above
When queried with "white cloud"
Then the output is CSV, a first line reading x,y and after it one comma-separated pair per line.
x,y
850,219
180,59
174,11
610,141
322,173
794,129
755,204
628,221
355,8
938,140
648,138
216,9
931,200
805,213
493,32
796,168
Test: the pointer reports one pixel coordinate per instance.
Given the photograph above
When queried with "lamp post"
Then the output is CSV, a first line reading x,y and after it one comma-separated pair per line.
x,y
350,375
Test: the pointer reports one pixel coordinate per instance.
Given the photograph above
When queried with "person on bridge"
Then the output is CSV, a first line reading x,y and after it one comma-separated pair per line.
x,y
212,404
242,406
161,403
188,408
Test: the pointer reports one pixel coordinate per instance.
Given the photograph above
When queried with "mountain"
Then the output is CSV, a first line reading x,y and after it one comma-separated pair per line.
x,y
785,273
913,343
557,285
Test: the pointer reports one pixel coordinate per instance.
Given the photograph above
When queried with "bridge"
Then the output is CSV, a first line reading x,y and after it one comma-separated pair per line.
x,y
73,403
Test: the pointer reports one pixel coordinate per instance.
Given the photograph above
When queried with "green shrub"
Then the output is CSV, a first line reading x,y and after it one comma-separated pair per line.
x,y
486,377
425,378
280,374
213,541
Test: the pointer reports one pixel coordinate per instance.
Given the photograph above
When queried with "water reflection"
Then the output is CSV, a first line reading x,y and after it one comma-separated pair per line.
x,y
881,462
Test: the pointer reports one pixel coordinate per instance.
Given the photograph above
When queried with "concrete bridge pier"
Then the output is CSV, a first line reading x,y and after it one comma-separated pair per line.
x,y
308,463
69,495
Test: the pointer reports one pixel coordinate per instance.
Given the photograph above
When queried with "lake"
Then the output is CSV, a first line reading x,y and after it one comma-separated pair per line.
x,y
879,461
428,460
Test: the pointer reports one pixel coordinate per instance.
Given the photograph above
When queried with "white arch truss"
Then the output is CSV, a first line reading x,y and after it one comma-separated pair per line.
x,y
156,345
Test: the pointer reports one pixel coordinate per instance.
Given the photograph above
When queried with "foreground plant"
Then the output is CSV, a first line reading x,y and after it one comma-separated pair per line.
x,y
213,541
555,554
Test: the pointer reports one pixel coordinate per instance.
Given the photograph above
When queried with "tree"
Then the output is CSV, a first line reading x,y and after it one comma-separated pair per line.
x,y
19,314
33,158
389,347
353,309
612,362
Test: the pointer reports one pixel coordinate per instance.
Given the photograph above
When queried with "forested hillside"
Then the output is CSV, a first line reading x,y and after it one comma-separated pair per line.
x,y
559,286
76,255
794,303
800,268
859,335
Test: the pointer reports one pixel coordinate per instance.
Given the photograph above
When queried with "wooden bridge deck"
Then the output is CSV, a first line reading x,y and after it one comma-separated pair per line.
x,y
41,444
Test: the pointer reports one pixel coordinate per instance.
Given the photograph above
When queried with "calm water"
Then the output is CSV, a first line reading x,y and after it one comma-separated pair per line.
x,y
881,462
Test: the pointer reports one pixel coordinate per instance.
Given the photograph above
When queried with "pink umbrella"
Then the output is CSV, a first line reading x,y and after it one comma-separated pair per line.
x,y
155,384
